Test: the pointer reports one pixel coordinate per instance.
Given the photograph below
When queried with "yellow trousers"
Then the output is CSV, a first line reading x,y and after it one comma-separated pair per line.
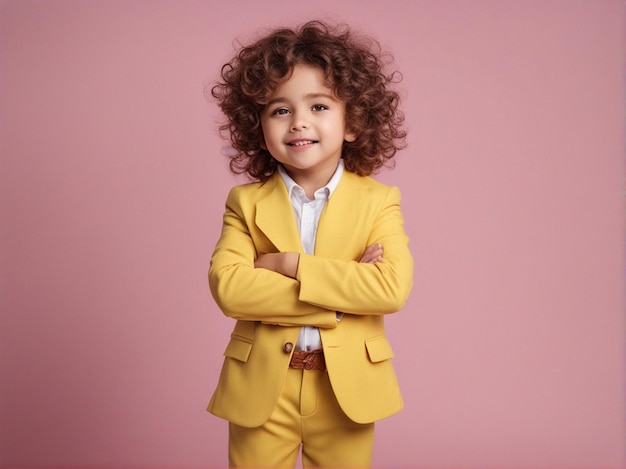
x,y
307,415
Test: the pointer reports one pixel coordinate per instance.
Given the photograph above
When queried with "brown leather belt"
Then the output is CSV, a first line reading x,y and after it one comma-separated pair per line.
x,y
308,360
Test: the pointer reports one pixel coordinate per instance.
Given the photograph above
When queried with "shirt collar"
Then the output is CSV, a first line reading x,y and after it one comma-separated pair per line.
x,y
329,187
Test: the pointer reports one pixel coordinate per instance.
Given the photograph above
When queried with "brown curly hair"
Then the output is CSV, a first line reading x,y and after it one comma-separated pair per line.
x,y
354,69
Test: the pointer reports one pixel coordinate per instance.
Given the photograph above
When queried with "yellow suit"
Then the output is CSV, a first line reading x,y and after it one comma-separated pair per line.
x,y
270,308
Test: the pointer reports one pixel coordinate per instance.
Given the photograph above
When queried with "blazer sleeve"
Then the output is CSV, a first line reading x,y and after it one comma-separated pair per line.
x,y
243,292
358,288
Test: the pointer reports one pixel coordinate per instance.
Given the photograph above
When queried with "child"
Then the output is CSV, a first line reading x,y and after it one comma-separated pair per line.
x,y
313,254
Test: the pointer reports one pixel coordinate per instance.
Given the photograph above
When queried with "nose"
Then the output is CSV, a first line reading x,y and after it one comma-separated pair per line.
x,y
299,122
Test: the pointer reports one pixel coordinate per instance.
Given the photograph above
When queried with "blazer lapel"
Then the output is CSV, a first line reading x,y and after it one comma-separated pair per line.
x,y
339,223
275,217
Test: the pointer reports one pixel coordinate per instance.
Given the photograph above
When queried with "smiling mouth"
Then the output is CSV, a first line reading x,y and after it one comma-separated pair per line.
x,y
301,143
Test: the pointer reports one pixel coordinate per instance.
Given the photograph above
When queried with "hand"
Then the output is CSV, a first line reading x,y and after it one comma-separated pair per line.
x,y
285,263
372,254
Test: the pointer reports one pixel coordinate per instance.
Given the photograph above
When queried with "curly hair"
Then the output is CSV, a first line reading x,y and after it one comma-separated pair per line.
x,y
354,69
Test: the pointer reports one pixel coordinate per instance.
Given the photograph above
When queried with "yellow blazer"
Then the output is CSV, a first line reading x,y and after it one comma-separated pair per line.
x,y
270,308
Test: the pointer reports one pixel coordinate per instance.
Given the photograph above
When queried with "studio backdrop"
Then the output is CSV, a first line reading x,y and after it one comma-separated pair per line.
x,y
113,178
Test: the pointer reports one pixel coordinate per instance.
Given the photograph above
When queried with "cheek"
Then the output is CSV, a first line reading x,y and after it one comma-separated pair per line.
x,y
268,134
271,139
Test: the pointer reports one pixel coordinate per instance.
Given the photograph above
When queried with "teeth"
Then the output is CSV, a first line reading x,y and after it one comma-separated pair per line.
x,y
301,143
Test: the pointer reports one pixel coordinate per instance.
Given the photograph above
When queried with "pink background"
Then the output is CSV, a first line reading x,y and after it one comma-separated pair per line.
x,y
510,351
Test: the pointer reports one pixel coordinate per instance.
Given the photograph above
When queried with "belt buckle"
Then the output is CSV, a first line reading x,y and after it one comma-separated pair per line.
x,y
309,362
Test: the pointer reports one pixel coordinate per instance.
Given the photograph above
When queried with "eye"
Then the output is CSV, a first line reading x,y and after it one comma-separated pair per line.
x,y
281,111
319,107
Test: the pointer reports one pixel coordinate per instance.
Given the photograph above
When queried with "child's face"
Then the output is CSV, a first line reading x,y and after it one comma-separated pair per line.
x,y
304,125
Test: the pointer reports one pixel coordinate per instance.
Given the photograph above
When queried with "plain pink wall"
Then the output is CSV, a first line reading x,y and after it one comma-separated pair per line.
x,y
510,351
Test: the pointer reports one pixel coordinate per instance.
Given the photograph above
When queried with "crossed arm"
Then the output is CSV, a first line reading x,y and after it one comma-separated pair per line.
x,y
286,263
288,288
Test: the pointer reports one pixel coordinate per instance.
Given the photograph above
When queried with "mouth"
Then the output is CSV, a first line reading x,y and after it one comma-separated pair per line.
x,y
301,143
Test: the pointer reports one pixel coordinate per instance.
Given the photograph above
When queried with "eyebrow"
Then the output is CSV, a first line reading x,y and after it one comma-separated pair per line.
x,y
280,99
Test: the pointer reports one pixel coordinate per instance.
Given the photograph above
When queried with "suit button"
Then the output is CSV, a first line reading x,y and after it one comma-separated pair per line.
x,y
288,347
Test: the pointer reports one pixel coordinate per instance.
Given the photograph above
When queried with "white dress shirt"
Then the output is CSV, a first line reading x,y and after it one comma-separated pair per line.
x,y
308,213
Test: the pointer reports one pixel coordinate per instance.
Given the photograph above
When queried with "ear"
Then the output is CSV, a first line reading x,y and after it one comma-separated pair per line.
x,y
349,136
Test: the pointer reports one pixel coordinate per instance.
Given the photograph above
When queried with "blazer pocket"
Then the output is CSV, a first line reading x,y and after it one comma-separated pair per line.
x,y
238,348
378,349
